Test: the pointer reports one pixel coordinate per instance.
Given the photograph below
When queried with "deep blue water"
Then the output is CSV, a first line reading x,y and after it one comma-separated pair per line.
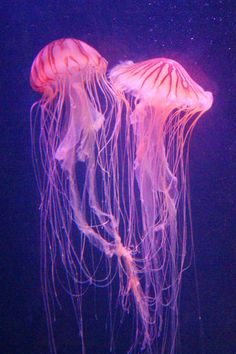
x,y
201,36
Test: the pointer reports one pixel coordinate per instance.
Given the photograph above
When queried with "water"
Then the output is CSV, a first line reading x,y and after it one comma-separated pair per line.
x,y
200,36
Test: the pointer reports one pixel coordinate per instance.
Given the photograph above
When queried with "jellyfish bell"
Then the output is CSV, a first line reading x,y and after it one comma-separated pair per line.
x,y
63,60
161,81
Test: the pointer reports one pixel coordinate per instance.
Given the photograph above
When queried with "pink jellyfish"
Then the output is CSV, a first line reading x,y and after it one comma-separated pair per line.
x,y
83,210
71,165
162,106
111,166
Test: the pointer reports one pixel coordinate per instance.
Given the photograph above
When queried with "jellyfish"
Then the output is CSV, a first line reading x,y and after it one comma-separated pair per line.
x,y
75,143
111,162
162,105
71,148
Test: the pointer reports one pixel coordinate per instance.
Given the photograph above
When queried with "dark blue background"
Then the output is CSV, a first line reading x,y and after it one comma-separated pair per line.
x,y
201,36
